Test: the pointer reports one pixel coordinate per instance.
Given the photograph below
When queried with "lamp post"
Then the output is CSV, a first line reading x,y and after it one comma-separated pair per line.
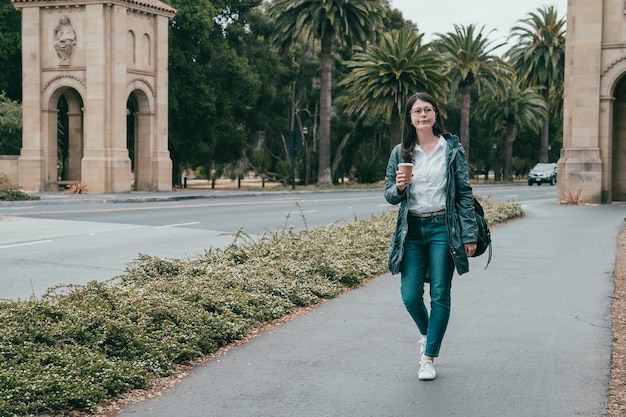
x,y
495,162
305,131
294,143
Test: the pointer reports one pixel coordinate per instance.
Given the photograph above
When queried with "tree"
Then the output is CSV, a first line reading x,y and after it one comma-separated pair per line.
x,y
349,22
539,59
470,62
10,50
511,107
10,126
222,82
383,76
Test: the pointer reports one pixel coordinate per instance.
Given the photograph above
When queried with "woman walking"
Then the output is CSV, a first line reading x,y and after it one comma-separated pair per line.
x,y
436,228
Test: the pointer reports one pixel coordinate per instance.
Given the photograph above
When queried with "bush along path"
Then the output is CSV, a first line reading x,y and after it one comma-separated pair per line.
x,y
77,348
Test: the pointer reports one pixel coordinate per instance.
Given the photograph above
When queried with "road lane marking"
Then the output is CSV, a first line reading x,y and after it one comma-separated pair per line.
x,y
175,225
36,242
20,208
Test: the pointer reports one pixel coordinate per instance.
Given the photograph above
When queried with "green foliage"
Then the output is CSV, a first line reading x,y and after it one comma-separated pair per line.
x,y
470,57
538,58
509,108
10,126
8,193
226,83
77,347
349,23
385,75
10,51
539,53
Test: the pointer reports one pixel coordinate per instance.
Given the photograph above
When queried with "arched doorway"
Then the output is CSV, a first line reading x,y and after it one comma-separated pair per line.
x,y
619,143
138,133
65,140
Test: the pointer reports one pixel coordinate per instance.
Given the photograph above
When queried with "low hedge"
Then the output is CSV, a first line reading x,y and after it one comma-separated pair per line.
x,y
79,347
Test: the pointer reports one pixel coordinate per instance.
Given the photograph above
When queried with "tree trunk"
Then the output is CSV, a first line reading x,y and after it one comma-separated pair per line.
x,y
508,150
396,128
545,130
324,174
465,121
339,153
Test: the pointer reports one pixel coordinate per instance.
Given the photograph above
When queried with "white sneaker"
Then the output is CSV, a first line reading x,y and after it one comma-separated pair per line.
x,y
427,371
422,344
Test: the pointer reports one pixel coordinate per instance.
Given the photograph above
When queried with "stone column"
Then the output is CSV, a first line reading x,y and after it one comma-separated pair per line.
x,y
161,162
119,162
105,165
95,156
31,171
580,165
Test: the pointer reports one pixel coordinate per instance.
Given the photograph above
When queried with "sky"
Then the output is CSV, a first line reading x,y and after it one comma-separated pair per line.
x,y
440,16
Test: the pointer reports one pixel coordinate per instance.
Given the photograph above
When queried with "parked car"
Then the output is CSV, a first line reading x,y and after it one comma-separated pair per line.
x,y
542,173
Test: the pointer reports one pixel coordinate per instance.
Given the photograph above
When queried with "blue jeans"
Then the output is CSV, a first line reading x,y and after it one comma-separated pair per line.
x,y
426,249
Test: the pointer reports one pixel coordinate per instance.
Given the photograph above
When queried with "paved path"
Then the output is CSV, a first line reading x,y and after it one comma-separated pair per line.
x,y
528,337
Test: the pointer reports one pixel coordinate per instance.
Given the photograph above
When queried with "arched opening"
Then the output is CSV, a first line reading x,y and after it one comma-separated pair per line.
x,y
131,128
138,134
618,157
65,147
63,140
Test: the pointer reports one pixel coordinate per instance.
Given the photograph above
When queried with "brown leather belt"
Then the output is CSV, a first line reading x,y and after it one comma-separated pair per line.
x,y
430,214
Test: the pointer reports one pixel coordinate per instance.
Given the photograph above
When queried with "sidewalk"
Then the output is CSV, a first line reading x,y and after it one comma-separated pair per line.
x,y
528,337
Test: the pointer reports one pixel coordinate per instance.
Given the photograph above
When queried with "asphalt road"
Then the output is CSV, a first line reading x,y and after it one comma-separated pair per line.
x,y
529,337
73,239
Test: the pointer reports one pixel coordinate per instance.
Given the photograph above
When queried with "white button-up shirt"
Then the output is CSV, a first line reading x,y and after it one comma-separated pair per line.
x,y
428,184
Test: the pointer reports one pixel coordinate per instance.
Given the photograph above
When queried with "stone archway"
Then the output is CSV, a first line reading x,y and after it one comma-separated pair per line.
x,y
83,61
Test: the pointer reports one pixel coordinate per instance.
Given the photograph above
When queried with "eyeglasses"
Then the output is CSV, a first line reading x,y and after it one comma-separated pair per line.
x,y
418,111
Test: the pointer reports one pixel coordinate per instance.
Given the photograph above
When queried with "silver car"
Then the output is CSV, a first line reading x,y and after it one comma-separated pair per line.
x,y
542,173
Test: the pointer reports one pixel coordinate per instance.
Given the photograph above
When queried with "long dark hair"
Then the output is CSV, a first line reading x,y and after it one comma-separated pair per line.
x,y
409,135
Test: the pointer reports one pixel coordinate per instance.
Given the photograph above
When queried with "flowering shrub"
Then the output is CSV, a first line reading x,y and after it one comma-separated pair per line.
x,y
77,348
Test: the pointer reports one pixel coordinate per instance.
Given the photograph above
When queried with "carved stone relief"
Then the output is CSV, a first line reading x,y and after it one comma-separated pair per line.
x,y
64,40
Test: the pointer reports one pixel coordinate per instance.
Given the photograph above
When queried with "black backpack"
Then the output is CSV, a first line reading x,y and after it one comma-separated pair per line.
x,y
484,234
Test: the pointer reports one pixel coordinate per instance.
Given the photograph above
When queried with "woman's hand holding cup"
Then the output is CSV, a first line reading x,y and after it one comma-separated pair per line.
x,y
403,175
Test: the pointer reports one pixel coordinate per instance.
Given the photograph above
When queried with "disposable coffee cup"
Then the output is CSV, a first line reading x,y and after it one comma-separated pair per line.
x,y
407,168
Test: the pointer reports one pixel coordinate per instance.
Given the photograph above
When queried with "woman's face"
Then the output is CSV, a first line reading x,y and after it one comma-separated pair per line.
x,y
423,115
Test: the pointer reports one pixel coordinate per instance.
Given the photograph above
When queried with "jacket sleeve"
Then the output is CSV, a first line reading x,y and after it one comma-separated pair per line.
x,y
465,200
392,194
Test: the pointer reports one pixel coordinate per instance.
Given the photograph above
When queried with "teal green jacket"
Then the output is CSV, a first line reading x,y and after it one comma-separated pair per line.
x,y
460,218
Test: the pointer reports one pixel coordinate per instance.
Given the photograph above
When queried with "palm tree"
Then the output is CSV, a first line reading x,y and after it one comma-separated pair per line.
x,y
539,59
383,76
512,107
348,21
470,62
